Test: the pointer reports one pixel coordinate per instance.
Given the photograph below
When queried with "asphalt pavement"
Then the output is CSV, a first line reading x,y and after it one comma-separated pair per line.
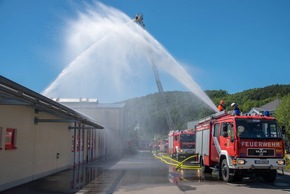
x,y
142,173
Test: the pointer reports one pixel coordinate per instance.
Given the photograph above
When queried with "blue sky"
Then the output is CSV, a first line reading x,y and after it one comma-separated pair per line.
x,y
226,44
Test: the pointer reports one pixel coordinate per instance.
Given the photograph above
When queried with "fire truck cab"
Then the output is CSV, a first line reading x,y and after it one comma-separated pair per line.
x,y
181,144
237,146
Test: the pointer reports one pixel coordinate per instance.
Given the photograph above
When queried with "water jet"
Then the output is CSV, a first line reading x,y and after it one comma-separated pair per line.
x,y
116,52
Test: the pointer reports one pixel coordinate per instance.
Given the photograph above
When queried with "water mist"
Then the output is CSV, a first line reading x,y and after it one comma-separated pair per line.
x,y
113,58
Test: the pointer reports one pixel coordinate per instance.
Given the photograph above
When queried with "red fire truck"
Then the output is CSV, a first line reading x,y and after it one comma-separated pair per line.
x,y
237,146
181,144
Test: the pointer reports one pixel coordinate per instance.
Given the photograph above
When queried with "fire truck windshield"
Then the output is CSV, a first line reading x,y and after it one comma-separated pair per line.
x,y
187,137
187,141
257,129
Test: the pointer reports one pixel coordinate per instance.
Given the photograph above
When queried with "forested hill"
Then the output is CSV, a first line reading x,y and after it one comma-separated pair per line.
x,y
250,98
148,113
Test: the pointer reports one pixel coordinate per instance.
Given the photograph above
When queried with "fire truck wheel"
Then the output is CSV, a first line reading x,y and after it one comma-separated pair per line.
x,y
225,172
270,176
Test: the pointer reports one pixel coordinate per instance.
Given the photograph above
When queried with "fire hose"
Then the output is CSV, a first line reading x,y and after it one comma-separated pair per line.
x,y
178,165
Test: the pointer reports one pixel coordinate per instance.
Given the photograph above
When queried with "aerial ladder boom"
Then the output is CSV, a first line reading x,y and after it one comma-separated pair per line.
x,y
139,19
161,92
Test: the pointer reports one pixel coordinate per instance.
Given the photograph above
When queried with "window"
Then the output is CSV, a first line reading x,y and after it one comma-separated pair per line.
x,y
224,129
216,130
231,131
10,139
176,138
187,137
258,129
227,128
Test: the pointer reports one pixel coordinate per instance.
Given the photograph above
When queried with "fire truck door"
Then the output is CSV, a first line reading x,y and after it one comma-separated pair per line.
x,y
227,137
214,143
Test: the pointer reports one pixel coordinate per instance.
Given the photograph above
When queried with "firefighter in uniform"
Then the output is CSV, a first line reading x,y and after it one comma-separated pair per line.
x,y
221,106
235,109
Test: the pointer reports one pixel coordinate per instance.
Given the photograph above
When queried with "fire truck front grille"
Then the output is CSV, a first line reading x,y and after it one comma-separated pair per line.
x,y
261,152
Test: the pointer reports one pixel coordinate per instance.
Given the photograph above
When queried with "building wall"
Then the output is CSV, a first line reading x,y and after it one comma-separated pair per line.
x,y
113,119
52,145
37,146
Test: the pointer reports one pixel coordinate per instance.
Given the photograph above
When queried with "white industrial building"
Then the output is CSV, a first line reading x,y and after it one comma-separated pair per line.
x,y
110,115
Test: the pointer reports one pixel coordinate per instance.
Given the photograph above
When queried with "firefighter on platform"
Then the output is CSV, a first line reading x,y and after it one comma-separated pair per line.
x,y
221,106
235,109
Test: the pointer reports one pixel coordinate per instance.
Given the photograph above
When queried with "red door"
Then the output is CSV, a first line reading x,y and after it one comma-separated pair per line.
x,y
227,137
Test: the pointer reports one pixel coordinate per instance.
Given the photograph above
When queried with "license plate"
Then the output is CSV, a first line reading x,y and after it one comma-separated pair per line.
x,y
261,161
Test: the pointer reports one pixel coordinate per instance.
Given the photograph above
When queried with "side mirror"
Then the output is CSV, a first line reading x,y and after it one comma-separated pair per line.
x,y
283,130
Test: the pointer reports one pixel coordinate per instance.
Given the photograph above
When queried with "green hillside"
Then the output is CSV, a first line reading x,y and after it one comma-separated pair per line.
x,y
148,113
250,98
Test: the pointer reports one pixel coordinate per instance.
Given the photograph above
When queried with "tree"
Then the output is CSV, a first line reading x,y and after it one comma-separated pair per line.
x,y
282,113
184,106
